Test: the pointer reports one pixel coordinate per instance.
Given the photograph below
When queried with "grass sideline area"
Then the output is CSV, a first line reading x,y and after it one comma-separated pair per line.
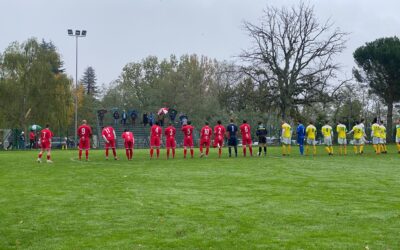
x,y
323,202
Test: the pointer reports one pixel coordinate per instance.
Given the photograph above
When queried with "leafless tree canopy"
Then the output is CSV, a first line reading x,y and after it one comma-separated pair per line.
x,y
291,56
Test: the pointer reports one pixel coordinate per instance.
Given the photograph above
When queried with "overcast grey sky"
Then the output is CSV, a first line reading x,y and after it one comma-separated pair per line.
x,y
122,31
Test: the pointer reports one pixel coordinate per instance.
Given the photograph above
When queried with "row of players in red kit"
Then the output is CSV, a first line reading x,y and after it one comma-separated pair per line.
x,y
109,137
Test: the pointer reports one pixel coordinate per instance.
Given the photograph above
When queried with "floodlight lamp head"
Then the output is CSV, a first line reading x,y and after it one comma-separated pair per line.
x,y
77,32
70,32
84,32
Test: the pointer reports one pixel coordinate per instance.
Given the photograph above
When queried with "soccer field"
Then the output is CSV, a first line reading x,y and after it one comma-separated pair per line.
x,y
229,203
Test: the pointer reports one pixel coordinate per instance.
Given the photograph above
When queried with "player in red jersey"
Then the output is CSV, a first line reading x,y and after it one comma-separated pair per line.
x,y
188,138
245,130
170,133
219,133
155,139
205,139
45,144
84,133
129,141
109,136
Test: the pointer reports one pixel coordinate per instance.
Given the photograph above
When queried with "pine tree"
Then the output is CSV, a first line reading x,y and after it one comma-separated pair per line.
x,y
89,81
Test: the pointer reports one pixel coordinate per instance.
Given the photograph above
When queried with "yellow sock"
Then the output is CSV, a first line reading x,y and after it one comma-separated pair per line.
x,y
345,150
327,149
376,148
384,148
340,150
331,149
314,149
283,149
381,147
289,149
307,148
355,150
361,149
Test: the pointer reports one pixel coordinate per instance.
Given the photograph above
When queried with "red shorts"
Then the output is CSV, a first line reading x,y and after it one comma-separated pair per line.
x,y
219,140
128,144
110,144
155,142
170,142
84,143
246,141
45,145
188,141
205,142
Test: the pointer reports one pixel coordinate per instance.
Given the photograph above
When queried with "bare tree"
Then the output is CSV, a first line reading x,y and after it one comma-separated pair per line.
x,y
292,56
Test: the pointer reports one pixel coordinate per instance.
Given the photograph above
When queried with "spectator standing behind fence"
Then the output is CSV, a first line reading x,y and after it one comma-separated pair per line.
x,y
133,117
151,119
124,117
172,114
161,118
116,117
145,119
31,139
22,140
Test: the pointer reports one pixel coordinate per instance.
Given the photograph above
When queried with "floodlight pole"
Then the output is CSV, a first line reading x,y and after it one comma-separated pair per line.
x,y
77,34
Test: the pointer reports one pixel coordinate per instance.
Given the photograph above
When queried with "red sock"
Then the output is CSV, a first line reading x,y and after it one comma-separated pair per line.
x,y
219,152
191,152
201,149
251,151
87,154
106,152
167,153
127,153
158,152
173,153
207,150
48,157
114,152
244,151
184,153
151,152
40,155
80,154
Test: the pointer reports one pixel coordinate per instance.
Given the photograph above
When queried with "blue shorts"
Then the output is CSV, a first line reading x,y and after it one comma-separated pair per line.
x,y
232,141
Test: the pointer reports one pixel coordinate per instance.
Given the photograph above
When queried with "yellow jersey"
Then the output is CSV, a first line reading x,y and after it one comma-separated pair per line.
x,y
286,130
326,131
383,132
341,130
376,130
311,131
398,130
358,132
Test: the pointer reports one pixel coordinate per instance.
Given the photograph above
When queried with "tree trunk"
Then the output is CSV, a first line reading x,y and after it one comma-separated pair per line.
x,y
389,119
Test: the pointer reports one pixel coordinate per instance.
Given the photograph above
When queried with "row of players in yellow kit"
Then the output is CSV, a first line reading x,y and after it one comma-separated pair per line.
x,y
308,134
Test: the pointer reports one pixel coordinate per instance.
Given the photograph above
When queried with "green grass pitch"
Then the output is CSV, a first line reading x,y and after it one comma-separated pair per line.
x,y
274,202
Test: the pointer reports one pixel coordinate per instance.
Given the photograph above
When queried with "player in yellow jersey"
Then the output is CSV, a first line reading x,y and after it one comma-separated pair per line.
x,y
376,136
342,141
358,138
398,135
327,132
286,138
311,133
383,138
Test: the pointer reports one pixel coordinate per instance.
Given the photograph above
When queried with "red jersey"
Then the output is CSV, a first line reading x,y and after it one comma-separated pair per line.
x,y
219,131
46,135
156,131
127,136
84,131
170,132
205,133
245,130
188,130
108,133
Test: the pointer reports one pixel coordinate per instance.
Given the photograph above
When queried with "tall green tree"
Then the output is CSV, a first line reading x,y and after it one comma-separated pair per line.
x,y
291,57
33,87
89,81
378,64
